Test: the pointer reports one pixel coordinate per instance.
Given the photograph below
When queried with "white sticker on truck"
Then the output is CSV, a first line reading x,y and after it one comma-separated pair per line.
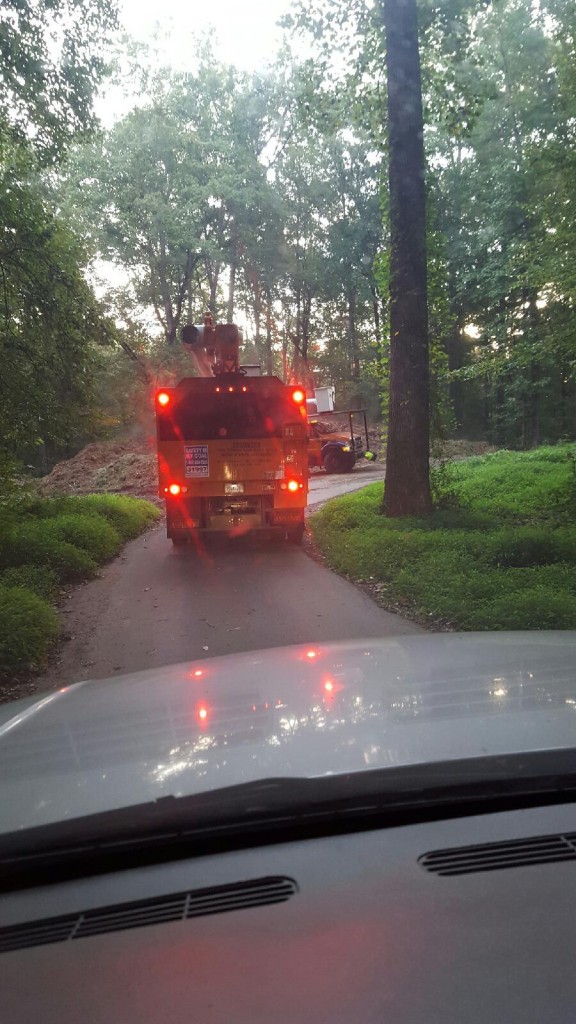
x,y
196,460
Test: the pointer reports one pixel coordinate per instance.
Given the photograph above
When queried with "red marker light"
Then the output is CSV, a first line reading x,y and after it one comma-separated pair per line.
x,y
298,396
198,673
244,388
230,388
294,485
162,398
310,654
329,686
202,713
217,390
174,489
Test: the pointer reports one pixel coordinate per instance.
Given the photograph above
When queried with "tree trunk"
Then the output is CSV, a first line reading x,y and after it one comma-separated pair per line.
x,y
269,367
353,334
407,489
376,312
233,268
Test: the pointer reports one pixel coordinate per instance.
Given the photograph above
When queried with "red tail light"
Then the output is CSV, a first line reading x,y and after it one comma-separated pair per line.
x,y
163,398
329,686
202,714
175,489
298,396
294,485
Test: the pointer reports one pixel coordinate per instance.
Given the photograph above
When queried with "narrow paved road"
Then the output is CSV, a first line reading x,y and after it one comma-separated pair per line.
x,y
323,486
156,605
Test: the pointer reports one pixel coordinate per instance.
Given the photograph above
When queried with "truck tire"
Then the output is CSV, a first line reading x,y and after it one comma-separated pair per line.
x,y
179,539
296,534
335,461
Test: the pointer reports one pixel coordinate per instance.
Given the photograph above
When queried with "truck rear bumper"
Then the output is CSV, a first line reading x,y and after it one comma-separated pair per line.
x,y
232,516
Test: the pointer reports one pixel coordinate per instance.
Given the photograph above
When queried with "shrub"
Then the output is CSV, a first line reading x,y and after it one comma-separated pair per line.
x,y
129,516
41,580
28,626
530,546
90,533
540,607
33,542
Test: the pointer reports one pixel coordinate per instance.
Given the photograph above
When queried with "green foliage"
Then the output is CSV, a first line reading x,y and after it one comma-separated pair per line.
x,y
28,627
529,546
41,580
538,608
91,534
502,555
129,516
216,193
47,542
53,54
49,322
539,486
39,544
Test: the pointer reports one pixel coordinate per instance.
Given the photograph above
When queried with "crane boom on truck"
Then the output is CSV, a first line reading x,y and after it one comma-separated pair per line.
x,y
232,448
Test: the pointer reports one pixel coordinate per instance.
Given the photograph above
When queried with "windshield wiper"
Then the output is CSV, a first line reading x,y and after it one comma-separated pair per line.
x,y
280,810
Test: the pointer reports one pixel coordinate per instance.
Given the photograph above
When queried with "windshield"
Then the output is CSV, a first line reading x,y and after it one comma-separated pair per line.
x,y
212,229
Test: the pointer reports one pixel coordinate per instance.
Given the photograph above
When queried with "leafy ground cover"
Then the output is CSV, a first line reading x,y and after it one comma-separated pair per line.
x,y
44,544
499,552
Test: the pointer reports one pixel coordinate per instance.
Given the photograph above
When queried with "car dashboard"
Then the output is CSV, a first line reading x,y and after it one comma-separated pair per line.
x,y
459,920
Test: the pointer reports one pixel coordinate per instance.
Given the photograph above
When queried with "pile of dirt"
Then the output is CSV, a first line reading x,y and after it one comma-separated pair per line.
x,y
112,467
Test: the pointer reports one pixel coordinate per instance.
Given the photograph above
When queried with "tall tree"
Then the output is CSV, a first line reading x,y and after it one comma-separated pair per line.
x,y
407,488
53,54
53,58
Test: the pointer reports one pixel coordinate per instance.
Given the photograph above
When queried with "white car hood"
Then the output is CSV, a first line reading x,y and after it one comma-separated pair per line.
x,y
295,711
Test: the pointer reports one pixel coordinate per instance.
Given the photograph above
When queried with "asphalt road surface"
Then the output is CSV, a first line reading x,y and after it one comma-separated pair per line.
x,y
323,486
157,605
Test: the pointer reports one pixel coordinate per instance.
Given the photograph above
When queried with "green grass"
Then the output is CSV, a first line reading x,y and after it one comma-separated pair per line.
x,y
28,627
499,553
129,516
41,580
45,543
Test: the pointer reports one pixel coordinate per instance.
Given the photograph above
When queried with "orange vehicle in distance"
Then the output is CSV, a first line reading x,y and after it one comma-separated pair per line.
x,y
232,446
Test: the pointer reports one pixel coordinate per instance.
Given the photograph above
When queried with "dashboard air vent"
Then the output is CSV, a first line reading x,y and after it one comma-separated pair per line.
x,y
516,853
159,910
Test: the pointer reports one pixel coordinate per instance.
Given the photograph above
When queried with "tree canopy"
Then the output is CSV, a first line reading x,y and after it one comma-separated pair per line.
x,y
264,198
